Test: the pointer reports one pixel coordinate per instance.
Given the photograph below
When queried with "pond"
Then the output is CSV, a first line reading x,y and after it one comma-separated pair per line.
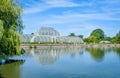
x,y
60,62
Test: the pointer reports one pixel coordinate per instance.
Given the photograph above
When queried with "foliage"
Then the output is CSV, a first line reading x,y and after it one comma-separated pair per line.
x,y
10,43
95,37
107,39
32,33
1,29
118,37
10,15
98,33
81,36
86,40
113,40
72,34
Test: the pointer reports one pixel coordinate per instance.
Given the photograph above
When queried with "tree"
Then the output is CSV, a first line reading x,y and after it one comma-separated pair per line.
x,y
72,34
86,40
32,33
99,33
113,40
93,39
96,35
1,29
118,37
81,36
107,38
11,45
10,15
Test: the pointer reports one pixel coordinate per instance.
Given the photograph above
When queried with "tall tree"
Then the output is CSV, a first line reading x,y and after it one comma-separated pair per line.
x,y
97,35
72,34
10,15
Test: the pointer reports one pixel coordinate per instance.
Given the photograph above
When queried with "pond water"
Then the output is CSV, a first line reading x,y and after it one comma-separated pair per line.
x,y
70,62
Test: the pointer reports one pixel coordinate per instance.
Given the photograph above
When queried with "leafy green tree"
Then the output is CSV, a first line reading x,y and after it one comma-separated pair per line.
x,y
93,39
107,38
85,40
113,40
1,29
98,33
10,15
96,36
118,37
81,36
32,33
10,44
72,34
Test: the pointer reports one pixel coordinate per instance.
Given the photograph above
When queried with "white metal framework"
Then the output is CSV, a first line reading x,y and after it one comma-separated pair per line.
x,y
48,34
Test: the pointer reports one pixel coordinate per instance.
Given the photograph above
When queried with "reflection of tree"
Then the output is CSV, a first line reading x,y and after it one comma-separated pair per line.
x,y
96,53
117,50
11,70
1,76
51,55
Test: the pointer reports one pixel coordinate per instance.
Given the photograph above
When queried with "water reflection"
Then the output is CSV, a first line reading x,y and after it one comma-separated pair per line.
x,y
1,76
96,53
11,70
65,62
46,56
51,55
117,50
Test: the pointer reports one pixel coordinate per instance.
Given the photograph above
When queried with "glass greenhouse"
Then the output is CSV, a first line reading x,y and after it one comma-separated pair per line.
x,y
48,34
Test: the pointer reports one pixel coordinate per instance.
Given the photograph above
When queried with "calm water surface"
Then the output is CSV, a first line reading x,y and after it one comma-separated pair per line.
x,y
65,63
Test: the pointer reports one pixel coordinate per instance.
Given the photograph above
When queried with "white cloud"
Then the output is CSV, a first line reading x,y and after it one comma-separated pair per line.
x,y
77,17
109,1
60,3
47,4
108,6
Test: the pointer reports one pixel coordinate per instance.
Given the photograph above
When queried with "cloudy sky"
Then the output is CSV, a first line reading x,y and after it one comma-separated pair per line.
x,y
77,16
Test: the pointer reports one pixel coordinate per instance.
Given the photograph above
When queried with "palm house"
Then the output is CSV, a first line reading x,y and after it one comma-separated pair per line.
x,y
48,34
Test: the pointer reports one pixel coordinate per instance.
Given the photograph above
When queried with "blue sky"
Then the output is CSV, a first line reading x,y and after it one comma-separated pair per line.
x,y
77,16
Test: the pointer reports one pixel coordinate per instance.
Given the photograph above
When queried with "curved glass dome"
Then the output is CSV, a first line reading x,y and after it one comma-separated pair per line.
x,y
47,31
48,34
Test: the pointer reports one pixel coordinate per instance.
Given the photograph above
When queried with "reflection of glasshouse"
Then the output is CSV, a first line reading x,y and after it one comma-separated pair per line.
x,y
47,55
48,34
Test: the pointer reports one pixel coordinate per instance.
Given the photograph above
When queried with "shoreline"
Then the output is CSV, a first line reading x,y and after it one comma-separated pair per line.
x,y
70,45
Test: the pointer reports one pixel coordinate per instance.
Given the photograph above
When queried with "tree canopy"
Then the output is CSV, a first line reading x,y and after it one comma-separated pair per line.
x,y
1,29
118,37
81,36
10,25
96,36
98,33
72,34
